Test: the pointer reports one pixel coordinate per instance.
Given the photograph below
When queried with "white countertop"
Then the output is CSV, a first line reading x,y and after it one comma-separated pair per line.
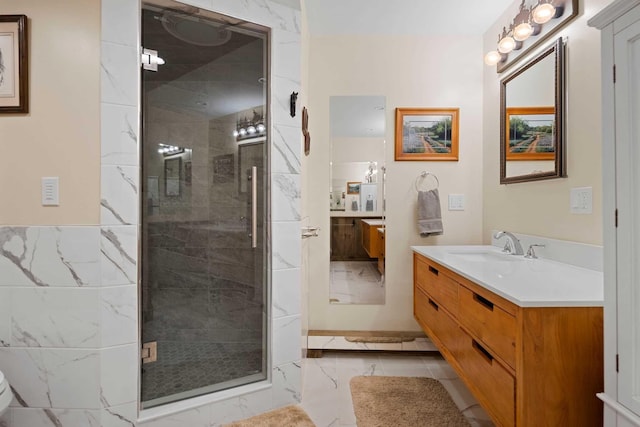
x,y
374,222
525,282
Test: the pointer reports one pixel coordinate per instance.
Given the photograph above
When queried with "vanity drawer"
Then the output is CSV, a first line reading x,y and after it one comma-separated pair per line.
x,y
432,318
493,385
442,288
495,327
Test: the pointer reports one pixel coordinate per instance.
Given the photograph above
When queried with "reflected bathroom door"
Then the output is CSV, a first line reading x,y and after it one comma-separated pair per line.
x,y
204,220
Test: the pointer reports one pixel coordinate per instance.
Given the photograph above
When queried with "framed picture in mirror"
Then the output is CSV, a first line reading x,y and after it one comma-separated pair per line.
x,y
353,187
426,134
530,133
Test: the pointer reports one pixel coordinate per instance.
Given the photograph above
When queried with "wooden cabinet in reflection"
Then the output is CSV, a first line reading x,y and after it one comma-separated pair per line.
x,y
346,240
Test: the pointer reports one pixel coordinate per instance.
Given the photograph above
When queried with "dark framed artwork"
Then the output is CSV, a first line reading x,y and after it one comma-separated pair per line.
x,y
14,70
426,134
223,169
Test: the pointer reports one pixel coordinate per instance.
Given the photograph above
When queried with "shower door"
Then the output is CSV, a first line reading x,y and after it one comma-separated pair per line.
x,y
204,212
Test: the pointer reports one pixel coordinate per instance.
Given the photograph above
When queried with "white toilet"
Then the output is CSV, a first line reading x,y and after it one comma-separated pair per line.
x,y
5,394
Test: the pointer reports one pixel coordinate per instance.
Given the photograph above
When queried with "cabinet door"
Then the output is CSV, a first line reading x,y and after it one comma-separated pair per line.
x,y
627,113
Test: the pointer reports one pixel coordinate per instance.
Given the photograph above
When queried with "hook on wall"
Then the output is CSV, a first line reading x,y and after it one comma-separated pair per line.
x,y
292,103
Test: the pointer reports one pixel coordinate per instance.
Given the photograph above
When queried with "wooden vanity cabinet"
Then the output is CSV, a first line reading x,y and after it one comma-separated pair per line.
x,y
370,239
526,366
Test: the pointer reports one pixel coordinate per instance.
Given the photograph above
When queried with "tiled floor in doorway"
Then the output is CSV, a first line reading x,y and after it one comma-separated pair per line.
x,y
327,398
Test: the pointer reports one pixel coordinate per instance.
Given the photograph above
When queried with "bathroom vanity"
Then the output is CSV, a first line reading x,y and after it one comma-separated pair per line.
x,y
525,335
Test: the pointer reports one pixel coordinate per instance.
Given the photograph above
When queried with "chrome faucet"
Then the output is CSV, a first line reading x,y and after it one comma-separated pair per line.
x,y
512,245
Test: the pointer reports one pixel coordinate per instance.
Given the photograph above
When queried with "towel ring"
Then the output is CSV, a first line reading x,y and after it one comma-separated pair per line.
x,y
423,175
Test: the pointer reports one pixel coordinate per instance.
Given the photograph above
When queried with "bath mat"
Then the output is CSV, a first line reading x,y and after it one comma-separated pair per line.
x,y
380,339
403,402
290,416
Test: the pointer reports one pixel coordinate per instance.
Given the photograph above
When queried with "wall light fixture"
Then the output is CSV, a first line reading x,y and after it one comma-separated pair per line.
x,y
530,22
250,128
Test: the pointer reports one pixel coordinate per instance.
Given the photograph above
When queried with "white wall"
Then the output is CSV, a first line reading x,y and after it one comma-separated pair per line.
x,y
542,208
410,71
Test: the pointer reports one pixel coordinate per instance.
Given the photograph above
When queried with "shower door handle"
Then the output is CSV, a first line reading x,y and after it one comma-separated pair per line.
x,y
254,206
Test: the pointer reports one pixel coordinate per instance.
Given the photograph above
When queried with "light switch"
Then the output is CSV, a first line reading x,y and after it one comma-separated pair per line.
x,y
50,194
456,202
581,200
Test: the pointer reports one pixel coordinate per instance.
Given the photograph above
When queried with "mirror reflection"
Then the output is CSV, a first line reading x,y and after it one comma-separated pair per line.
x,y
532,101
356,199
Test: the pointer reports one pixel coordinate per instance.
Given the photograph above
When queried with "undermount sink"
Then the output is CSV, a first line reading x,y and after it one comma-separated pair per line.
x,y
485,256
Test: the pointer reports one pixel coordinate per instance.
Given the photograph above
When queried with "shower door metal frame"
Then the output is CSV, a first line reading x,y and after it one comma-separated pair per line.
x,y
265,33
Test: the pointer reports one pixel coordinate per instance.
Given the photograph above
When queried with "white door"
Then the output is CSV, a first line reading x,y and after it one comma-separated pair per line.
x,y
627,109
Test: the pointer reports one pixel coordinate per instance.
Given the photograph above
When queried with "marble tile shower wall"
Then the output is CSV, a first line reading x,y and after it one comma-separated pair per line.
x,y
68,295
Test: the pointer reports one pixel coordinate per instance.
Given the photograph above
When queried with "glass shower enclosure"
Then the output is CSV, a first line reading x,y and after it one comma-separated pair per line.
x,y
204,205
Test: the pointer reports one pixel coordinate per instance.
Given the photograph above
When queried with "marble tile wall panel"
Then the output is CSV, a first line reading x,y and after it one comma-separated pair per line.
x,y
285,197
286,248
119,252
120,191
52,378
118,373
285,149
286,340
119,135
119,74
119,315
55,317
49,256
119,416
263,12
120,20
285,292
5,316
55,417
287,384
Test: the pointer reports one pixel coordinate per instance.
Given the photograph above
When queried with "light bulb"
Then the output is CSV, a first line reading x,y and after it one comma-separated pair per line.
x,y
492,58
243,131
251,130
543,13
261,128
522,31
506,45
236,133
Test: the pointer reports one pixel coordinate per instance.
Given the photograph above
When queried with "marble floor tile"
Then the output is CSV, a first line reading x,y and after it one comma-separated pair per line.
x,y
356,282
326,395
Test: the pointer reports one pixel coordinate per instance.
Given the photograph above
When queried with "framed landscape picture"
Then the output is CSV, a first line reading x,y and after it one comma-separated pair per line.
x,y
426,134
530,133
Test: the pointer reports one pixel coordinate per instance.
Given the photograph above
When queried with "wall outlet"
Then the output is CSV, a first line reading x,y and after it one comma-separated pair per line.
x,y
456,202
581,200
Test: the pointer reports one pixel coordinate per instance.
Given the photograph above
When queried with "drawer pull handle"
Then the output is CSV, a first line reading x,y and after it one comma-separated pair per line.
x,y
433,270
433,304
483,301
482,351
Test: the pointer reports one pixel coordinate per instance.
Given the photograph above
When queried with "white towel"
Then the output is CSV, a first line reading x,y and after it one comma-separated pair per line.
x,y
429,216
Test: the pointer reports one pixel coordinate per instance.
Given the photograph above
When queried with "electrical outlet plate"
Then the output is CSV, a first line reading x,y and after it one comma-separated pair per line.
x,y
581,200
456,202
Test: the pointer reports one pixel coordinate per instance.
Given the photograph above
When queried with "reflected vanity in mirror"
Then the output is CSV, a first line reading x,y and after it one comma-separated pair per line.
x,y
356,199
532,101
